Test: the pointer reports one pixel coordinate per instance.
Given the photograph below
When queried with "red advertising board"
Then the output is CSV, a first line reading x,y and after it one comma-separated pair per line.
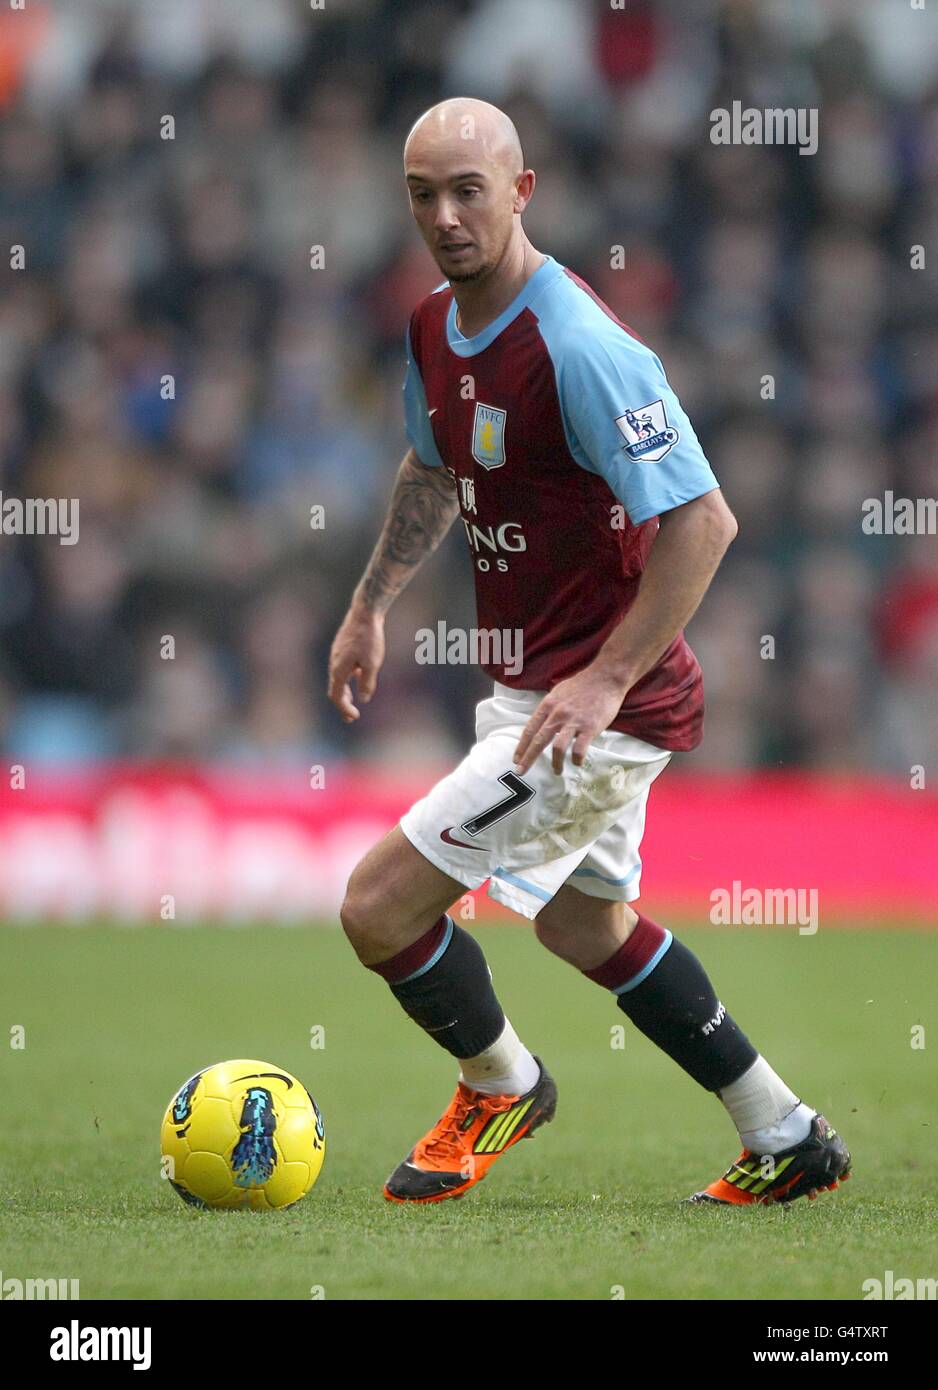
x,y
189,844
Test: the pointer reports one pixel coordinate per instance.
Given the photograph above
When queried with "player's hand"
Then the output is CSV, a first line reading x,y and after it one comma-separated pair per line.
x,y
357,653
575,711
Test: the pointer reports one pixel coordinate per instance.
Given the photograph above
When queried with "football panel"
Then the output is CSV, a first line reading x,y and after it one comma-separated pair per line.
x,y
297,1136
212,1128
207,1176
290,1182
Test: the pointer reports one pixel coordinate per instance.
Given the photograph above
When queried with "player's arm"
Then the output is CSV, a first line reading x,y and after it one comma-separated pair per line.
x,y
609,389
690,544
423,507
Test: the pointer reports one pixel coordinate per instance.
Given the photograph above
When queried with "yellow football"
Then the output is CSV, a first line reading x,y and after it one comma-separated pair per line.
x,y
242,1134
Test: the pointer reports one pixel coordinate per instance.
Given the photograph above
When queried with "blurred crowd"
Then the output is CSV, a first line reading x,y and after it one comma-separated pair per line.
x,y
169,355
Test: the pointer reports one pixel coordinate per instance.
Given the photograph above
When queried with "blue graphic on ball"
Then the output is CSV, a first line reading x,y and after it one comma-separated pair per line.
x,y
254,1157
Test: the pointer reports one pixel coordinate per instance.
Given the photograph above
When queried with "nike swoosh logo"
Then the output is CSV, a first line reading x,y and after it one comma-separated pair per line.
x,y
433,411
256,1075
447,839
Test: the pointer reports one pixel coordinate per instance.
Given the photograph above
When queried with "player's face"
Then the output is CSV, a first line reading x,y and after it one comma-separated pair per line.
x,y
465,217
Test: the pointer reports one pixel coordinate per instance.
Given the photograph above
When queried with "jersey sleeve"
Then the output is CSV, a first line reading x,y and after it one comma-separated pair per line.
x,y
417,425
624,422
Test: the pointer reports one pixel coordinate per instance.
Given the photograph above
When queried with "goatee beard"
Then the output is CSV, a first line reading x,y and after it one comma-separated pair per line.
x,y
469,276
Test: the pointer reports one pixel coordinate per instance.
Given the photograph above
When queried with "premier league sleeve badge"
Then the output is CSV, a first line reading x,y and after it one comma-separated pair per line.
x,y
648,436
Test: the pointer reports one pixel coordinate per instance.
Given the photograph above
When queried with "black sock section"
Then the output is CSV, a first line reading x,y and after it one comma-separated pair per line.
x,y
453,1001
676,1007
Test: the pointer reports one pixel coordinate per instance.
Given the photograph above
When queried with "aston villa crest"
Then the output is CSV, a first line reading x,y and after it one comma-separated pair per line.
x,y
488,436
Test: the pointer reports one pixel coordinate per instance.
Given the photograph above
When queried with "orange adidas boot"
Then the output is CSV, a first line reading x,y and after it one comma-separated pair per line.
x,y
474,1131
818,1164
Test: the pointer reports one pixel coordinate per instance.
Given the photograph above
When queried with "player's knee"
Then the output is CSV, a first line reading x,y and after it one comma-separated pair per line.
x,y
363,920
553,932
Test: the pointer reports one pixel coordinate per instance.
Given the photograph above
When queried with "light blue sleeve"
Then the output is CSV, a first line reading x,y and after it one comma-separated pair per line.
x,y
417,425
625,423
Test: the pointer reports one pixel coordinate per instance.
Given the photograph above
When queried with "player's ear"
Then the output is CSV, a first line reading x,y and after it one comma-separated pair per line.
x,y
524,189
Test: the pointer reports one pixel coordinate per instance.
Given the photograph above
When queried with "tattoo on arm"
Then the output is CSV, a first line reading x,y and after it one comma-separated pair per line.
x,y
423,508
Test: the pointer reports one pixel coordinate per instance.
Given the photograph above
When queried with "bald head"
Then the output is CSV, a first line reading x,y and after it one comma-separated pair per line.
x,y
468,186
466,128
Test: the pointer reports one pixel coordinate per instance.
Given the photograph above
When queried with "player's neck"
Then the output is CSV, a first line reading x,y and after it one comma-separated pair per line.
x,y
480,304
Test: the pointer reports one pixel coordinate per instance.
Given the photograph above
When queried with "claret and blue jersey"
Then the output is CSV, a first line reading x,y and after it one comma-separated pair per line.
x,y
566,443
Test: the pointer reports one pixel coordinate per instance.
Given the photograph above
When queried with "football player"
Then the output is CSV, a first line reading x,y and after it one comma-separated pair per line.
x,y
594,525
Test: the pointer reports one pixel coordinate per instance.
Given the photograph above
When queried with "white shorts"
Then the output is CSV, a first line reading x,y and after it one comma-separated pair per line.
x,y
532,834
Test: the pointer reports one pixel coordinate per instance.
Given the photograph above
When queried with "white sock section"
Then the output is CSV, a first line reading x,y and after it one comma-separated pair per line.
x,y
504,1069
767,1114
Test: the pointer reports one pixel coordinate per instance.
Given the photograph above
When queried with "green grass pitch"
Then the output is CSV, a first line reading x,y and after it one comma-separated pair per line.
x,y
117,1018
